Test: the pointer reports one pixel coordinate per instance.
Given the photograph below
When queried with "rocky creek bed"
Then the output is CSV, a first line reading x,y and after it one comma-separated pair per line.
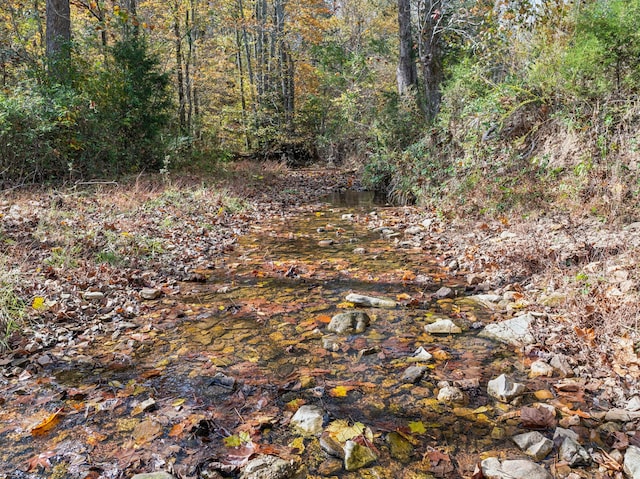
x,y
337,338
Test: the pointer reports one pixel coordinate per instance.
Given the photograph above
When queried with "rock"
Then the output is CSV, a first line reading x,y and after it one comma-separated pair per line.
x,y
534,444
370,302
331,446
93,295
331,342
268,467
632,462
553,300
348,216
413,374
621,415
420,355
453,265
443,326
633,404
444,292
325,243
357,456
44,360
150,293
349,322
540,368
451,395
153,475
399,447
308,420
413,230
573,453
514,331
504,388
492,468
561,433
561,364
359,251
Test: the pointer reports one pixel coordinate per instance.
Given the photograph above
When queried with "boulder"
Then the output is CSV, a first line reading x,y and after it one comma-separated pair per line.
x,y
349,322
443,326
573,453
516,331
370,302
504,388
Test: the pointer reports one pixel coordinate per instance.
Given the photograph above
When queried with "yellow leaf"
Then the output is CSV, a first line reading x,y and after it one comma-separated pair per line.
x,y
342,431
340,391
543,394
297,445
345,305
417,427
178,402
38,303
48,424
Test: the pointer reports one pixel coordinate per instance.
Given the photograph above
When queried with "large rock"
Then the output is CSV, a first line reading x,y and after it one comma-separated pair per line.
x,y
451,395
443,326
349,322
492,468
268,467
370,302
573,453
534,444
632,462
308,420
357,456
516,331
504,389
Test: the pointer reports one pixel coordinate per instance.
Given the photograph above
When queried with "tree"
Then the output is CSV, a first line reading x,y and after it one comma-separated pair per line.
x,y
58,37
407,75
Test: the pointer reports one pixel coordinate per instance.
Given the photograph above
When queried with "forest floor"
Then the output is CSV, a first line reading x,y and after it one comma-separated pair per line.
x,y
104,264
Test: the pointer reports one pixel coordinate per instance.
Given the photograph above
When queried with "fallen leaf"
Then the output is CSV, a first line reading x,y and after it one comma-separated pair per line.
x,y
417,427
38,303
49,423
537,417
341,391
40,461
342,431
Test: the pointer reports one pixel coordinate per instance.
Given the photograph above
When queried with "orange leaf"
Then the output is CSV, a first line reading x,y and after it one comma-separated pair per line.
x,y
324,318
402,296
48,424
408,276
588,334
340,391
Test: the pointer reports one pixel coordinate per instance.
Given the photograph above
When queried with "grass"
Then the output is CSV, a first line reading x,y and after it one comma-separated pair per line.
x,y
12,308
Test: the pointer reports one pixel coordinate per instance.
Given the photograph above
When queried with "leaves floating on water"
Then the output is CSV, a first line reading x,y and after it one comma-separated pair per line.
x,y
342,431
48,424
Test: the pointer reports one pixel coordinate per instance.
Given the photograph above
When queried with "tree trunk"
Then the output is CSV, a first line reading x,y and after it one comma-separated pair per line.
x,y
430,51
179,75
58,37
407,74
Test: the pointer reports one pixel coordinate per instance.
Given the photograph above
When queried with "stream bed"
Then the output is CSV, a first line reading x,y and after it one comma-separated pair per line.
x,y
208,379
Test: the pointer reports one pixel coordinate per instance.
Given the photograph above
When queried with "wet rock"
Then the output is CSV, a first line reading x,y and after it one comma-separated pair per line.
x,y
420,355
153,475
504,388
443,326
150,293
632,462
308,420
330,467
93,295
360,251
516,331
534,444
492,468
413,374
370,302
451,395
349,322
357,456
268,467
331,446
444,292
540,368
560,363
399,447
331,343
325,243
573,453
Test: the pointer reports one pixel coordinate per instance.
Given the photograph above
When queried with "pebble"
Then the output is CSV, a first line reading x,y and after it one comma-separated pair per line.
x,y
534,444
413,374
93,295
369,301
150,293
504,389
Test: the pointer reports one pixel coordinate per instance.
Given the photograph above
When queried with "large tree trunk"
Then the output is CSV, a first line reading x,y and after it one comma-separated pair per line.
x,y
407,74
58,37
430,50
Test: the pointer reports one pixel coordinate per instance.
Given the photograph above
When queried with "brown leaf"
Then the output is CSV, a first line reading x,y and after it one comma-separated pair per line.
x,y
439,463
40,461
537,417
49,423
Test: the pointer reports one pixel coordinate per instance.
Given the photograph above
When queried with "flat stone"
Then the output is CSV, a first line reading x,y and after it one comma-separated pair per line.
x,y
331,446
371,302
349,322
451,395
308,420
632,462
357,456
268,467
443,326
93,295
504,388
150,293
516,331
420,355
444,292
492,468
534,444
633,404
413,374
153,475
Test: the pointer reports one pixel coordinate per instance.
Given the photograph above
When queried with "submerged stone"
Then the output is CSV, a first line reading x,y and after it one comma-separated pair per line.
x,y
451,395
357,456
504,389
492,468
534,444
413,374
443,326
308,420
349,322
399,447
370,302
516,331
268,467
